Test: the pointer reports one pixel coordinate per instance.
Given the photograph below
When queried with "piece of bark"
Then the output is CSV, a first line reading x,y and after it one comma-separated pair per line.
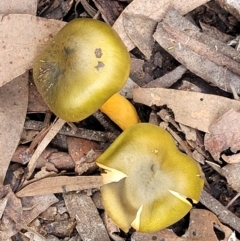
x,y
168,79
89,224
212,47
60,184
197,110
208,58
215,33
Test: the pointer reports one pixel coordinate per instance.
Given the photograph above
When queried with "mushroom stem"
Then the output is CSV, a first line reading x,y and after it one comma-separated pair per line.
x,y
120,111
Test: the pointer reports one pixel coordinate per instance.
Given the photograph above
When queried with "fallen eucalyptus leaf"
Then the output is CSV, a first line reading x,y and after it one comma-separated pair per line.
x,y
60,184
197,110
22,44
22,7
13,108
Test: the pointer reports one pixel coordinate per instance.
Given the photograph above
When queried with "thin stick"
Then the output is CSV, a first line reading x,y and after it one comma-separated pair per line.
x,y
41,147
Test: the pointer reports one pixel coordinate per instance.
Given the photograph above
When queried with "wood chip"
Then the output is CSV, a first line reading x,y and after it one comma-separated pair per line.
x,y
89,224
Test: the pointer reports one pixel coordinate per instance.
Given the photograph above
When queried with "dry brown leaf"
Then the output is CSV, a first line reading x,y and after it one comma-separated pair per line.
x,y
224,134
21,45
23,7
165,234
36,103
60,184
235,158
13,108
201,227
193,109
12,220
231,172
202,224
89,224
153,9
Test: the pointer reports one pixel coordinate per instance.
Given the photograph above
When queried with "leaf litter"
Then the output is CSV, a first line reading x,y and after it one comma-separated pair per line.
x,y
41,185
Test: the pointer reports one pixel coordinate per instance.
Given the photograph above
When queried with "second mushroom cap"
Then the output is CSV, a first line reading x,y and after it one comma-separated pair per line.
x,y
147,181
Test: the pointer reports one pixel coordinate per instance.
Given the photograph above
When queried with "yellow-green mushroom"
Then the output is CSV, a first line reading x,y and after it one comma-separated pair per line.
x,y
85,64
147,182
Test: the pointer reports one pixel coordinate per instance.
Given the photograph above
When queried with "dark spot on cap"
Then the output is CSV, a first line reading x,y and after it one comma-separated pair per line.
x,y
100,65
98,53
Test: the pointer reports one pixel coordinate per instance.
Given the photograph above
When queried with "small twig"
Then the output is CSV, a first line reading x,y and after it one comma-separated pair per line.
x,y
41,147
234,92
106,123
233,200
73,126
222,212
47,119
177,138
91,135
87,7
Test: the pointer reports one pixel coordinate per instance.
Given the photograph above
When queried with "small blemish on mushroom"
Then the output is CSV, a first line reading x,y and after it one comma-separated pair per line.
x,y
98,53
100,65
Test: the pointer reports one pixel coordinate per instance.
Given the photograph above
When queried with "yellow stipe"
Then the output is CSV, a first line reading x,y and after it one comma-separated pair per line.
x,y
120,111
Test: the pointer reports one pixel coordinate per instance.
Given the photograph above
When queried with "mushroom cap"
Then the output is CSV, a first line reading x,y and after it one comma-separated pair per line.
x,y
83,66
147,181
